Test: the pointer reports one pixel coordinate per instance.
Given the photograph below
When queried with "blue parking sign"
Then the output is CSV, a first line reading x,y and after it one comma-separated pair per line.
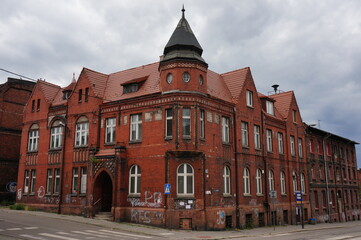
x,y
298,197
167,188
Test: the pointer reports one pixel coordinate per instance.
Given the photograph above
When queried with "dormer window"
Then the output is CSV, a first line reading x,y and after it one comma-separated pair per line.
x,y
131,88
270,107
249,98
66,95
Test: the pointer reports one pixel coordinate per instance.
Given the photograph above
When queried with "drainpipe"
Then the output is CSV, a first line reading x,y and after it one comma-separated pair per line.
x,y
236,166
264,138
326,177
62,165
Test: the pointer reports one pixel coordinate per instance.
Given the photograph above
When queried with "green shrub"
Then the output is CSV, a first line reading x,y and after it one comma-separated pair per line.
x,y
18,206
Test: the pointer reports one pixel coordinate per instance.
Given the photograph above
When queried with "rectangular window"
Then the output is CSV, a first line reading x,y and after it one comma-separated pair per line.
x,y
75,182
300,149
81,138
83,180
201,125
249,98
80,95
280,142
328,149
186,122
49,182
110,130
294,116
56,180
33,181
225,130
26,182
269,140
244,126
292,142
33,106
257,139
312,146
320,147
38,107
169,123
56,137
86,97
136,127
270,107
33,140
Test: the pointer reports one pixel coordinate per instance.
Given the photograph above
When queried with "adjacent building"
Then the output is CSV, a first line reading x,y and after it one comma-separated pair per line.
x,y
170,143
14,95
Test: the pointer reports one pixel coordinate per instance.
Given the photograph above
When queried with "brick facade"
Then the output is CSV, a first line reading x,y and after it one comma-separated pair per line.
x,y
123,136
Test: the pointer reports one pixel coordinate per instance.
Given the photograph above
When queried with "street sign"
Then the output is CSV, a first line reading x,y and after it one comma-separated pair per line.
x,y
273,194
167,188
298,197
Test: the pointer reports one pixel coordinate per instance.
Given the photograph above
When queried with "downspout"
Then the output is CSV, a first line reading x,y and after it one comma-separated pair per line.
x,y
62,166
264,138
238,218
326,177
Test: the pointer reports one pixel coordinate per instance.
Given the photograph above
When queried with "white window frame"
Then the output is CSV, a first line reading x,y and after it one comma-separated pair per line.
x,y
302,182
225,130
33,181
226,181
75,181
83,180
280,143
81,134
244,126
169,123
300,148
259,182
26,181
49,181
201,124
136,127
110,125
33,142
56,136
246,182
184,178
57,180
269,140
294,181
271,180
283,182
292,145
294,116
186,122
270,107
249,98
135,180
257,138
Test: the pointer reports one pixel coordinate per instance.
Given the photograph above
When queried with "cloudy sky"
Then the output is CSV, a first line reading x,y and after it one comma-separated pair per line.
x,y
311,47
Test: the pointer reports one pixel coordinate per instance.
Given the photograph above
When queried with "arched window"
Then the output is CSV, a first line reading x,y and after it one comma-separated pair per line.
x,y
294,181
56,134
259,181
283,183
185,180
271,180
227,180
302,182
246,182
82,131
134,180
33,141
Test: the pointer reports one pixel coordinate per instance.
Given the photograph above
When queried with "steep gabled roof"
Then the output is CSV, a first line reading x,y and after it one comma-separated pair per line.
x,y
217,86
49,90
98,81
283,102
235,81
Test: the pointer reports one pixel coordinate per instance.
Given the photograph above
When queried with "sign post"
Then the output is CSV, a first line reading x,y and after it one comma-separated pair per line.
x,y
273,196
299,200
167,188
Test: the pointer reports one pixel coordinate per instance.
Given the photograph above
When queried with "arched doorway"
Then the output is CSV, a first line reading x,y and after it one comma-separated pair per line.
x,y
103,192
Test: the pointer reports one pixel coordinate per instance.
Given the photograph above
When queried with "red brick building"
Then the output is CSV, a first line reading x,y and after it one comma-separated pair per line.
x,y
14,94
171,143
333,180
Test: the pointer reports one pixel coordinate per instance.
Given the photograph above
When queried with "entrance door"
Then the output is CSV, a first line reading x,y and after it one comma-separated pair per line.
x,y
103,192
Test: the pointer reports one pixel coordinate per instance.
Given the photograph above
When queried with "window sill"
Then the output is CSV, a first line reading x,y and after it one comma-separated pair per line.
x,y
259,195
33,151
188,197
82,195
283,194
81,146
135,141
202,139
226,143
227,195
134,195
109,144
245,147
247,195
249,106
168,138
187,138
55,149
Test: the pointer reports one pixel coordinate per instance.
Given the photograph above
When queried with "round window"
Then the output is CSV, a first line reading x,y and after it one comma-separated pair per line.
x,y
169,78
186,77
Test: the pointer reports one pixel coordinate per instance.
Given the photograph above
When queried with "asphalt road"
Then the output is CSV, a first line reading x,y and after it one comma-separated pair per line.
x,y
16,225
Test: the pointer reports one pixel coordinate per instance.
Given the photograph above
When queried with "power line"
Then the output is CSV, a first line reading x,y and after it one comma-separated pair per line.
x,y
19,75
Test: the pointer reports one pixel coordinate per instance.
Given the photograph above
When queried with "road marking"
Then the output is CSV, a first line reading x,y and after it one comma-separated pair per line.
x,y
30,228
339,237
166,234
14,229
126,234
276,235
57,236
107,234
92,234
32,237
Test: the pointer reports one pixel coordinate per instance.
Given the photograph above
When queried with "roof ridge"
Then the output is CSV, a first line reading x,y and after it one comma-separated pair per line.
x,y
233,71
48,83
129,69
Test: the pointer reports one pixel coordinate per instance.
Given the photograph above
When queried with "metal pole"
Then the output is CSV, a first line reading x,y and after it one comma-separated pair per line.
x,y
302,215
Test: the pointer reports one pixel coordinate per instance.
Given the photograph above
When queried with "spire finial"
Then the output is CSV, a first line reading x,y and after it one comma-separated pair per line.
x,y
73,77
183,10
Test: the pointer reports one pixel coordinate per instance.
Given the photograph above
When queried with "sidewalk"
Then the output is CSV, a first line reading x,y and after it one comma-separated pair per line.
x,y
187,234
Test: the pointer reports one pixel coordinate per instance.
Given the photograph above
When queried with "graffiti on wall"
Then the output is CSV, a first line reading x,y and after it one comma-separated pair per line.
x,y
20,192
221,216
41,192
143,216
150,200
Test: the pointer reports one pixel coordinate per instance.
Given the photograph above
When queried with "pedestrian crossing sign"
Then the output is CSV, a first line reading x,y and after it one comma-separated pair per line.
x,y
167,188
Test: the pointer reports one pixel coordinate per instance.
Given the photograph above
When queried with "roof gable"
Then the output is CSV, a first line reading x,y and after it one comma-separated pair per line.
x,y
235,81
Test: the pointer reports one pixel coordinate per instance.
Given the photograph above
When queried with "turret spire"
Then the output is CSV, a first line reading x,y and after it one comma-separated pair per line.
x,y
183,10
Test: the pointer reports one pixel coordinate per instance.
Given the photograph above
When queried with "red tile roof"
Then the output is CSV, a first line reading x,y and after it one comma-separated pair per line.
x,y
283,102
49,90
235,81
98,81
